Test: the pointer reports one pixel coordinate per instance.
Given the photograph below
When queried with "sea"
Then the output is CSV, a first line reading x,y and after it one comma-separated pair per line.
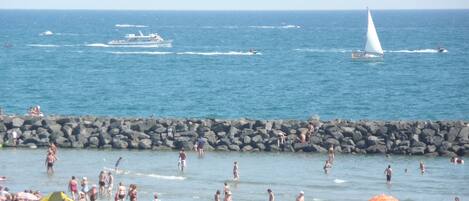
x,y
303,67
61,60
352,178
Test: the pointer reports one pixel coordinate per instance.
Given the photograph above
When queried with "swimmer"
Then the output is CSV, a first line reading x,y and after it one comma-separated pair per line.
x,y
117,164
182,160
120,194
226,188
327,166
271,195
422,167
228,196
235,171
388,172
301,196
110,183
3,178
102,182
155,197
217,196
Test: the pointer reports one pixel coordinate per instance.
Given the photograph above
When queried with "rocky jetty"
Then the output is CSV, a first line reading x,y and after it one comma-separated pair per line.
x,y
436,138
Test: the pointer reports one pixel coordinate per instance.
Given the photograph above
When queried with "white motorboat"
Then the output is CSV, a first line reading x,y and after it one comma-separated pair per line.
x,y
141,39
373,47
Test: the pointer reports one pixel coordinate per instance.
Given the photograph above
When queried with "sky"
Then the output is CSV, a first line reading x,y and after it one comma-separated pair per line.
x,y
233,4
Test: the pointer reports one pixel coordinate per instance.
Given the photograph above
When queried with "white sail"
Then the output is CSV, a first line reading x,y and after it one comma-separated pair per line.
x,y
372,40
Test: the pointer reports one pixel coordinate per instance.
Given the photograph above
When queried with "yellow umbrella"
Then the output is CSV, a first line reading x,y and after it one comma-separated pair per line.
x,y
383,197
57,196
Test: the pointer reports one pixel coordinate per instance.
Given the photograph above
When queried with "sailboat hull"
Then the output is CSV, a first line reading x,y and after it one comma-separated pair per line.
x,y
366,55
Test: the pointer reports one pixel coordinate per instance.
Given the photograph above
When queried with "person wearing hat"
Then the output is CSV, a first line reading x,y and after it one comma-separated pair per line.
x,y
301,196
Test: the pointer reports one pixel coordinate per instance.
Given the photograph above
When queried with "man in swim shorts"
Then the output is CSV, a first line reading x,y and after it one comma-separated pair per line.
x,y
50,159
182,159
388,172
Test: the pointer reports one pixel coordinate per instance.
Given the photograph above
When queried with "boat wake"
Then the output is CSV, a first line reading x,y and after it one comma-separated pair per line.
x,y
339,181
168,45
322,50
130,26
219,53
231,53
415,51
143,53
289,26
42,45
157,176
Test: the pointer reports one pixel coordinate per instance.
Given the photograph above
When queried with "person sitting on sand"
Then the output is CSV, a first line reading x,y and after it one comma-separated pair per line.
x,y
271,195
327,166
301,196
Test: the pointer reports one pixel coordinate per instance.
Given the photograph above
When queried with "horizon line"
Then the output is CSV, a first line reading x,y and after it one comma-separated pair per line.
x,y
240,10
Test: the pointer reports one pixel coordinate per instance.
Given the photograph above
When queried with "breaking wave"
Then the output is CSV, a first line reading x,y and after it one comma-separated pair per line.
x,y
43,45
130,25
289,26
339,181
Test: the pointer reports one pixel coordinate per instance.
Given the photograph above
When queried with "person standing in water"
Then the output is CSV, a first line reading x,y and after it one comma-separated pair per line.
x,y
422,167
217,196
110,183
327,166
301,196
121,192
330,153
271,195
182,159
388,173
235,171
50,160
117,164
102,182
73,187
200,146
228,196
226,188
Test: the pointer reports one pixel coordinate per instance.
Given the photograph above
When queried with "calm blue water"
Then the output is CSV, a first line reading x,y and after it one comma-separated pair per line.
x,y
304,67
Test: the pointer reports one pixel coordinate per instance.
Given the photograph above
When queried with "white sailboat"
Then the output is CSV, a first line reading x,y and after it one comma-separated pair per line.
x,y
373,47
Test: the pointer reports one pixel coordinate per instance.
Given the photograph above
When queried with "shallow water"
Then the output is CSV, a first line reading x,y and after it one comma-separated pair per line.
x,y
353,177
304,67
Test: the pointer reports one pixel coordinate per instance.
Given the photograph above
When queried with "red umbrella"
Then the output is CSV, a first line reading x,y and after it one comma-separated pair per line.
x,y
383,197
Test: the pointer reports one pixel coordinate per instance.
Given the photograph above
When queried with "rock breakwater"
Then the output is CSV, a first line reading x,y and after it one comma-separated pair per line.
x,y
444,138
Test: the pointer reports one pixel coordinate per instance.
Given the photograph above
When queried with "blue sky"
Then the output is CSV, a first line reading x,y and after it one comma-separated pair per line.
x,y
233,4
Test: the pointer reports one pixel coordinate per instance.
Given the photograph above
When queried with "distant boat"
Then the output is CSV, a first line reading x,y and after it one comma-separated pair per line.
x,y
373,47
132,39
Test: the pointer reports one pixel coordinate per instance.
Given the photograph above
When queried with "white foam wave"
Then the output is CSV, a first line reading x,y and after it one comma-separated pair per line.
x,y
289,26
219,53
339,181
143,52
97,45
130,25
43,45
416,51
166,177
322,50
168,45
47,33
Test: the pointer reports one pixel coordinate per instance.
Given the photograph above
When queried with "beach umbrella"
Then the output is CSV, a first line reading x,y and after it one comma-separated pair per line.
x,y
57,196
383,197
26,196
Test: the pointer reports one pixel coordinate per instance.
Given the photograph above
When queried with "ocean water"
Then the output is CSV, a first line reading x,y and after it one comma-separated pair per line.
x,y
303,66
353,177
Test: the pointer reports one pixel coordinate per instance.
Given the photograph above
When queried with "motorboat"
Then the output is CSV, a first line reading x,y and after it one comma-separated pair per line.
x,y
140,39
441,49
253,51
373,46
